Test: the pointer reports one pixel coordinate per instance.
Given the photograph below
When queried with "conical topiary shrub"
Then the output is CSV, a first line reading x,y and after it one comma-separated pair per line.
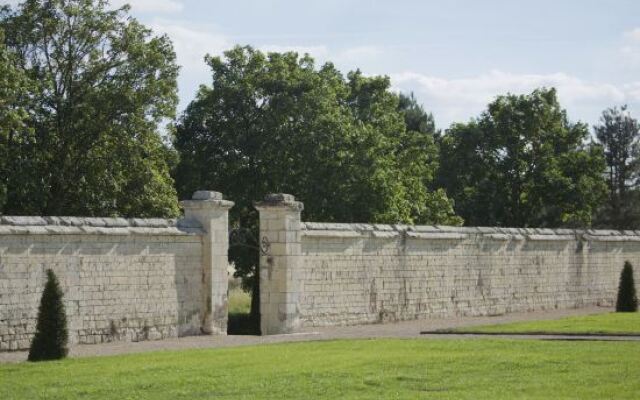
x,y
627,300
50,340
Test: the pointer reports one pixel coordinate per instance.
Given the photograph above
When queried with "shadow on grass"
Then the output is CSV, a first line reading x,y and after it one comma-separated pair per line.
x,y
242,324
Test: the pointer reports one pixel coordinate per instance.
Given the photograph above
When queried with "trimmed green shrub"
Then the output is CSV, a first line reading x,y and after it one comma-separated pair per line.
x,y
627,300
50,340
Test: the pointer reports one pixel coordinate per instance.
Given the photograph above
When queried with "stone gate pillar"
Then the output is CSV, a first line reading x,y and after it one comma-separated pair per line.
x,y
279,262
211,211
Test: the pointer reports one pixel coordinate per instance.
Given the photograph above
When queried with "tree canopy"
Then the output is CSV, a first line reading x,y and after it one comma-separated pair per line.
x,y
619,135
13,113
276,123
86,89
522,163
98,85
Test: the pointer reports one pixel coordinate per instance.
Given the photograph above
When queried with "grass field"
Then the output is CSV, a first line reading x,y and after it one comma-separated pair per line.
x,y
609,323
359,369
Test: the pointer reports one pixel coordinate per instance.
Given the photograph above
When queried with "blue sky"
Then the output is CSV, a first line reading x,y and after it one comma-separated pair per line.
x,y
454,55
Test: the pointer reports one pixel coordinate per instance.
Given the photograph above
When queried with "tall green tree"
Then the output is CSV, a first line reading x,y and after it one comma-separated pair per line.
x,y
13,113
619,135
522,163
100,85
277,123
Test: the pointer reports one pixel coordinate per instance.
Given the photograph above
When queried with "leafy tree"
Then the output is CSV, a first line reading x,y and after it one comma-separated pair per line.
x,y
276,123
468,171
627,299
412,152
522,163
99,85
619,135
13,113
50,340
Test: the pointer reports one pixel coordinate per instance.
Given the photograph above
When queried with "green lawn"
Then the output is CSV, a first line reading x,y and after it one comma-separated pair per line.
x,y
609,323
360,369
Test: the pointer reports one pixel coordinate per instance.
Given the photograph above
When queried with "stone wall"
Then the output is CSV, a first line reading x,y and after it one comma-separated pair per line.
x,y
318,274
123,279
137,279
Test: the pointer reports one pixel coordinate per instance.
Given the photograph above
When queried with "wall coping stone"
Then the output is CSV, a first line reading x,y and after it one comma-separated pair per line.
x,y
618,238
437,232
53,225
436,235
551,237
326,233
501,236
380,234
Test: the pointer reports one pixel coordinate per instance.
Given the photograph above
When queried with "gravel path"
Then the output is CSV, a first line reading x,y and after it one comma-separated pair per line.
x,y
406,329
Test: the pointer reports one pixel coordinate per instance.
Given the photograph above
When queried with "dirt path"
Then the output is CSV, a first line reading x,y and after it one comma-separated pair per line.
x,y
407,329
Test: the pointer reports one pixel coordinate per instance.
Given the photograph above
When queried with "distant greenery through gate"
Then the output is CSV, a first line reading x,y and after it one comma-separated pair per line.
x,y
240,321
244,317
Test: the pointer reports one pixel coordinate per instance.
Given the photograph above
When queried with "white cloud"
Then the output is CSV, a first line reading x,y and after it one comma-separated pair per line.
x,y
350,58
317,52
633,89
358,53
633,35
631,55
460,99
630,50
450,99
191,43
346,58
151,6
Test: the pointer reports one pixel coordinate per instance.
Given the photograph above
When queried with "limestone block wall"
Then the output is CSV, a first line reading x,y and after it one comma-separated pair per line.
x,y
318,274
123,279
